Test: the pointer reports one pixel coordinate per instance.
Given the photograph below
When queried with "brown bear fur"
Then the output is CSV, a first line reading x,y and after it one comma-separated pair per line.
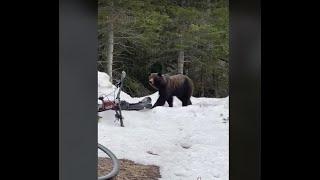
x,y
178,85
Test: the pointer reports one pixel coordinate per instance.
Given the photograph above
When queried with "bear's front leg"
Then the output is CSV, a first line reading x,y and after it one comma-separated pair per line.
x,y
170,101
160,102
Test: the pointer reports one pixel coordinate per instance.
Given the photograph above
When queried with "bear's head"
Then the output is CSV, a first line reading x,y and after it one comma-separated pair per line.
x,y
157,80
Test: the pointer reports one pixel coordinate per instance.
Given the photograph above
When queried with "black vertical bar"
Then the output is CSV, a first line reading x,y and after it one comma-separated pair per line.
x,y
245,90
78,90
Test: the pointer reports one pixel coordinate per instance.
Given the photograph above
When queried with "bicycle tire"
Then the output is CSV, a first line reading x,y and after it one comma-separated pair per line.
x,y
115,163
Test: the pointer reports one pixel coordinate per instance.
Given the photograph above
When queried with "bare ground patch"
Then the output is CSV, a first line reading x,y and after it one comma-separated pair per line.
x,y
129,170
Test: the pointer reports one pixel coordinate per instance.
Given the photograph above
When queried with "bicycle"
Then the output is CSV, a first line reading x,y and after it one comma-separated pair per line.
x,y
118,105
115,106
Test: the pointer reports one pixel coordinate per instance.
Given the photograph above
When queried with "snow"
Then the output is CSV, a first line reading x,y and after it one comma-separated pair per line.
x,y
185,142
105,88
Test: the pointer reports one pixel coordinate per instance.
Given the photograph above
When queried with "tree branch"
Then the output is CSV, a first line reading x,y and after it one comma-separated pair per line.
x,y
221,59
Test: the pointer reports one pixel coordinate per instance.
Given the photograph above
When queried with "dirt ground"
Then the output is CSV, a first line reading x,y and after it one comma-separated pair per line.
x,y
129,170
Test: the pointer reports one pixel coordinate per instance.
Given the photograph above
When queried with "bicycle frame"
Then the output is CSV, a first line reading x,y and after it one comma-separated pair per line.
x,y
118,109
114,105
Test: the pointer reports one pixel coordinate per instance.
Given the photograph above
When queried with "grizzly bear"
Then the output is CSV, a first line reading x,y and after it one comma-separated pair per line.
x,y
178,85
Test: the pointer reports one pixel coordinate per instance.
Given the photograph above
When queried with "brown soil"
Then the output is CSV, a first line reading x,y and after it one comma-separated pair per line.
x,y
129,170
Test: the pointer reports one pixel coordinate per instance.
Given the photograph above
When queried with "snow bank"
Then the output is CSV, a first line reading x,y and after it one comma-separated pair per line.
x,y
106,88
189,142
104,84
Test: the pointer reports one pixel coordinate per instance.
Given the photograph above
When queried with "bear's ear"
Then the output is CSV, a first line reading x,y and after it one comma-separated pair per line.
x,y
159,74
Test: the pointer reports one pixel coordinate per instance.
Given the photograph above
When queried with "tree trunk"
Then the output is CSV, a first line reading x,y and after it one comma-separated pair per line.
x,y
186,69
217,87
202,83
209,3
215,82
110,44
180,61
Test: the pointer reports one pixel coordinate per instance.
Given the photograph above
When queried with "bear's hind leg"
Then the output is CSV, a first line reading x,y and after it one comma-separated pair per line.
x,y
189,102
185,101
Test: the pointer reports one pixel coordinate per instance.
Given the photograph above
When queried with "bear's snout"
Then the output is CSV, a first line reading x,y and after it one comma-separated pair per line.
x,y
151,81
